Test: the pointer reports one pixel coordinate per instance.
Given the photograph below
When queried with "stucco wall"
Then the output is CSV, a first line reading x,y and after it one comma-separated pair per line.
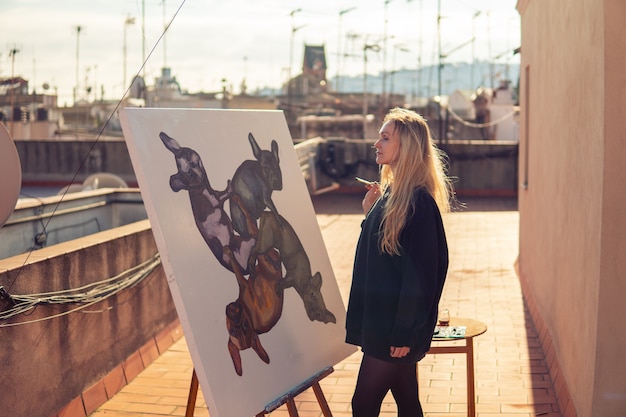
x,y
609,396
58,359
571,199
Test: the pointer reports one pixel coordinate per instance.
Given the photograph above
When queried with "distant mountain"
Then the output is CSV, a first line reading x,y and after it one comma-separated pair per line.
x,y
424,82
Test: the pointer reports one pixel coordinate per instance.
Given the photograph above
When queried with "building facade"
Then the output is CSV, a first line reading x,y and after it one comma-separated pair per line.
x,y
572,203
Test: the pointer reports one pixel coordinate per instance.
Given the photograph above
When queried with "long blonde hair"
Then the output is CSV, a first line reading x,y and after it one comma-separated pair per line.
x,y
419,165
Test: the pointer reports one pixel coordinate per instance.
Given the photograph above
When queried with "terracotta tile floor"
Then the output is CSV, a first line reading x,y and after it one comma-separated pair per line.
x,y
512,378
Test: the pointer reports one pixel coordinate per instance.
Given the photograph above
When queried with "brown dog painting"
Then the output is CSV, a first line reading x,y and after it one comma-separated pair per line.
x,y
276,232
255,242
258,308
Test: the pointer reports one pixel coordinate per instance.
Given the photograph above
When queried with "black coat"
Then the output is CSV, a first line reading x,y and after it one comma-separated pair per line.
x,y
394,299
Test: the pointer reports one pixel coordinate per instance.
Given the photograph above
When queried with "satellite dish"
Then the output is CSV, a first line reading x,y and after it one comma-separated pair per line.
x,y
10,175
103,180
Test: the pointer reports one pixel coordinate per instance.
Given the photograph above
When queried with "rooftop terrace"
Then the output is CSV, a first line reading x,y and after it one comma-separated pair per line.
x,y
512,376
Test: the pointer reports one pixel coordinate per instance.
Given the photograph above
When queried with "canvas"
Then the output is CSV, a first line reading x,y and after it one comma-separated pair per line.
x,y
241,248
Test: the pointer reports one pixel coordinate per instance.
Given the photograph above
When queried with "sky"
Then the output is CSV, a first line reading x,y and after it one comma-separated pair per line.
x,y
80,43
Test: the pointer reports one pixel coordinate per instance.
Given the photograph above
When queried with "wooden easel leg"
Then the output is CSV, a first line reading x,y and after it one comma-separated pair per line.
x,y
193,395
291,407
321,399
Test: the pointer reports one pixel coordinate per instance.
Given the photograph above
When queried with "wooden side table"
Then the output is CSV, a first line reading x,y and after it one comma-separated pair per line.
x,y
473,328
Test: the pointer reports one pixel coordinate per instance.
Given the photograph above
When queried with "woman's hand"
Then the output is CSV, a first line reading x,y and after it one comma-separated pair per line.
x,y
399,352
373,192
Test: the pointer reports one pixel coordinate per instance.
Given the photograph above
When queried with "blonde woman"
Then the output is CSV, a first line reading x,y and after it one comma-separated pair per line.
x,y
400,265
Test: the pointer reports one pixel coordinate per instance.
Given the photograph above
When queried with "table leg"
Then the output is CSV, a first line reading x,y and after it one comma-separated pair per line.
x,y
193,395
471,395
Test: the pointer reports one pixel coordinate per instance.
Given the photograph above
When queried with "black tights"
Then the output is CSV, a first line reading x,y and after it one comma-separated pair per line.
x,y
376,378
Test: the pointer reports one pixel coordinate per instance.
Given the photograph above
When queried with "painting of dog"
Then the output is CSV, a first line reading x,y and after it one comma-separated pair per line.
x,y
215,183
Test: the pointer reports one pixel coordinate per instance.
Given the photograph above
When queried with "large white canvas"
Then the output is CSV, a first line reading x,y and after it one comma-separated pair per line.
x,y
297,346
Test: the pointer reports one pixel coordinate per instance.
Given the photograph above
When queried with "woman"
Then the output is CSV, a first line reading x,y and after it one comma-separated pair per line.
x,y
400,265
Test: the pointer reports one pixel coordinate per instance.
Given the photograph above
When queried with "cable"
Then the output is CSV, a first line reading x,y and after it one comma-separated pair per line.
x,y
86,295
480,125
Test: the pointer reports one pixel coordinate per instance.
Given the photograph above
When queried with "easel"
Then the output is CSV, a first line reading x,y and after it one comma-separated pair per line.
x,y
288,398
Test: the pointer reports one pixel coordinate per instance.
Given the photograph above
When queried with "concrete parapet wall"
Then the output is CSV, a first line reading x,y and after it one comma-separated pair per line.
x,y
55,162
483,167
48,363
480,168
